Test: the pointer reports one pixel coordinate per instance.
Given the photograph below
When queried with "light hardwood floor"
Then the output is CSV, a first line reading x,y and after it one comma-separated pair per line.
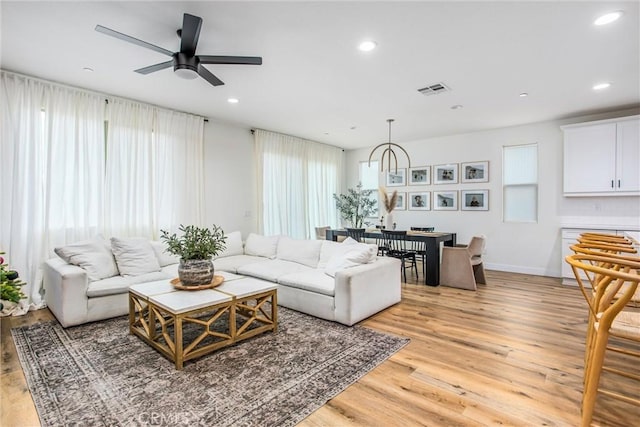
x,y
509,354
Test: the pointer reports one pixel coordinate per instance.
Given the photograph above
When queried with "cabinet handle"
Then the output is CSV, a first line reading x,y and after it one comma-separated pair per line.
x,y
612,184
618,183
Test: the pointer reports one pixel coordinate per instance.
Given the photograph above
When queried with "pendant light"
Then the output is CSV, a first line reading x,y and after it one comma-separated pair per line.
x,y
388,153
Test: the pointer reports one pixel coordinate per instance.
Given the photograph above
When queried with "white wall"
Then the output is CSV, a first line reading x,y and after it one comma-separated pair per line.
x,y
533,248
230,181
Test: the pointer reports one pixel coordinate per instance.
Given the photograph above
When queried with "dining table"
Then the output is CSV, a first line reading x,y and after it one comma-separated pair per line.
x,y
432,242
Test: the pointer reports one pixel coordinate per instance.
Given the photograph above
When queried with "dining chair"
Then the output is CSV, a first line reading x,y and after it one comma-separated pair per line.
x,y
605,237
462,265
608,317
356,234
397,246
321,232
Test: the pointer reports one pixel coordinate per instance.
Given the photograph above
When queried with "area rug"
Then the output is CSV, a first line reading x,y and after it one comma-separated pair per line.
x,y
99,375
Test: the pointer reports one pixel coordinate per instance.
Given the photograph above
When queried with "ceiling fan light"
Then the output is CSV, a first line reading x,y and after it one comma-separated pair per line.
x,y
186,73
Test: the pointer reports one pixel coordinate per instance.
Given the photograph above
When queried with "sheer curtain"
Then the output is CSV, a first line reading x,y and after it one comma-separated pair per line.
x,y
52,156
62,180
296,182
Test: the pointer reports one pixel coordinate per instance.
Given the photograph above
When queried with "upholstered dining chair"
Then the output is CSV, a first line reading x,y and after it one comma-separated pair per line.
x,y
321,232
462,265
397,246
607,299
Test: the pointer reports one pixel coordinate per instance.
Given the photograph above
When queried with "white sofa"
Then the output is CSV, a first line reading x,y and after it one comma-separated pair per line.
x,y
343,282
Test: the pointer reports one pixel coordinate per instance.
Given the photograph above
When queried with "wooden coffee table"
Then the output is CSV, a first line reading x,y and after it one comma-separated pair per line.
x,y
240,308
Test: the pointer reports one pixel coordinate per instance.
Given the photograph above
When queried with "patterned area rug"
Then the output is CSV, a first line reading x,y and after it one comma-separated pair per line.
x,y
99,375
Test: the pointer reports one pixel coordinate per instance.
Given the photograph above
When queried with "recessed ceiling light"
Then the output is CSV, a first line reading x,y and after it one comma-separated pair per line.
x,y
608,18
88,69
367,46
456,107
232,100
601,86
523,95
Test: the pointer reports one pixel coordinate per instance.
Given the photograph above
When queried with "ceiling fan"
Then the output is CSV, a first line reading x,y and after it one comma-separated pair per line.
x,y
186,63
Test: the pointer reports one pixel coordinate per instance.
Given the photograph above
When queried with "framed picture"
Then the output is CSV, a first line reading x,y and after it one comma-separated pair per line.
x,y
474,200
445,174
420,175
475,171
445,200
397,178
401,203
420,201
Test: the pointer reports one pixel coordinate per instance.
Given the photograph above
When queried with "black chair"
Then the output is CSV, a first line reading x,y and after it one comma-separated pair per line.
x,y
356,234
399,247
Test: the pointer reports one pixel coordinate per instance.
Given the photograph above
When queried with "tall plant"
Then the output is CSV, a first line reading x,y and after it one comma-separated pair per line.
x,y
356,205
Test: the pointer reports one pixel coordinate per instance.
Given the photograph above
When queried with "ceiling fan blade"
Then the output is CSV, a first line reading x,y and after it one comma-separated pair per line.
x,y
113,33
156,67
217,59
190,34
206,74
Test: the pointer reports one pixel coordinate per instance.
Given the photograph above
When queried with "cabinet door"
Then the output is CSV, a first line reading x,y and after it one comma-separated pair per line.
x,y
589,158
628,156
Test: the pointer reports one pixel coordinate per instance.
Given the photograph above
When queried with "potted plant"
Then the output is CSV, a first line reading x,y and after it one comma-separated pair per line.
x,y
195,247
10,285
356,205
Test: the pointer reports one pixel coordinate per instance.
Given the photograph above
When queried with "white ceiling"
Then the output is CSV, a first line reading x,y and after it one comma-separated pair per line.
x,y
315,84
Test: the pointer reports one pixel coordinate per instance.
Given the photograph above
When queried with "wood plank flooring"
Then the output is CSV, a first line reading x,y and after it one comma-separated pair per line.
x,y
509,354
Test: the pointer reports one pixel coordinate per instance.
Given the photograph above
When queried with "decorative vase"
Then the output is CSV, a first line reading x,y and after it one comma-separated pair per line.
x,y
388,221
195,272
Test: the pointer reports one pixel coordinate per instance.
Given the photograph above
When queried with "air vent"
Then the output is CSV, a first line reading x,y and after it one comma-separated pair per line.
x,y
434,89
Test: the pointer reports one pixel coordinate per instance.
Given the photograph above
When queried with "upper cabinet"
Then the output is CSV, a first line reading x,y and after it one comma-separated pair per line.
x,y
602,158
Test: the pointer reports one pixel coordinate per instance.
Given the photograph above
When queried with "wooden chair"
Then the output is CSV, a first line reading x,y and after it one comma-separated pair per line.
x,y
603,237
607,317
462,265
356,234
397,246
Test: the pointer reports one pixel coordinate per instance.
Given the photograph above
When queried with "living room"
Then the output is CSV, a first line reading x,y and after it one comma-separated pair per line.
x,y
316,85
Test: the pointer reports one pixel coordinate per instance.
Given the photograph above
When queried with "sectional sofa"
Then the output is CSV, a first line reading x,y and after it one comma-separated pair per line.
x,y
344,282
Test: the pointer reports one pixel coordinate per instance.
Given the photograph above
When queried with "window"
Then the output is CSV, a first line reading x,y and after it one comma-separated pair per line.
x,y
520,183
369,176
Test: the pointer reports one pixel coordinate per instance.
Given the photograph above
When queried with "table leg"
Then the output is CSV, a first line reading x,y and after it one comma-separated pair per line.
x,y
432,278
179,355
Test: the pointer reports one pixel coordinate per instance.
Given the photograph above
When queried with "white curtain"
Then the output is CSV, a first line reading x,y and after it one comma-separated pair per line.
x,y
52,157
62,180
296,182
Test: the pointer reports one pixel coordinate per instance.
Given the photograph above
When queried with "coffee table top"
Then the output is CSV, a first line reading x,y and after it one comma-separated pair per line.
x,y
163,294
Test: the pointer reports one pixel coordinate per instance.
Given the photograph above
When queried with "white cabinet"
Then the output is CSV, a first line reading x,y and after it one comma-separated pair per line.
x,y
602,158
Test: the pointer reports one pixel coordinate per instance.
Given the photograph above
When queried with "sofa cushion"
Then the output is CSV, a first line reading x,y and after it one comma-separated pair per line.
x,y
134,256
164,257
271,270
305,252
264,246
233,245
94,256
232,263
120,284
312,280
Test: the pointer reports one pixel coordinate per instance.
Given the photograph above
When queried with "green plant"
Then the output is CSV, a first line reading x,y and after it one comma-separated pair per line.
x,y
195,242
10,283
356,205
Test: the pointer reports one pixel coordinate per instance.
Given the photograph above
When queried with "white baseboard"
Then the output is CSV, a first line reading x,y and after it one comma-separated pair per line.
x,y
536,271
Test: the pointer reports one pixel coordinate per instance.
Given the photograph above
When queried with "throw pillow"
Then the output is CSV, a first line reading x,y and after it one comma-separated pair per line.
x,y
233,245
94,256
350,254
264,246
164,257
134,256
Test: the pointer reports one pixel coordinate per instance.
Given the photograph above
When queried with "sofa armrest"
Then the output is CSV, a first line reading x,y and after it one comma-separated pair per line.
x,y
66,291
366,289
